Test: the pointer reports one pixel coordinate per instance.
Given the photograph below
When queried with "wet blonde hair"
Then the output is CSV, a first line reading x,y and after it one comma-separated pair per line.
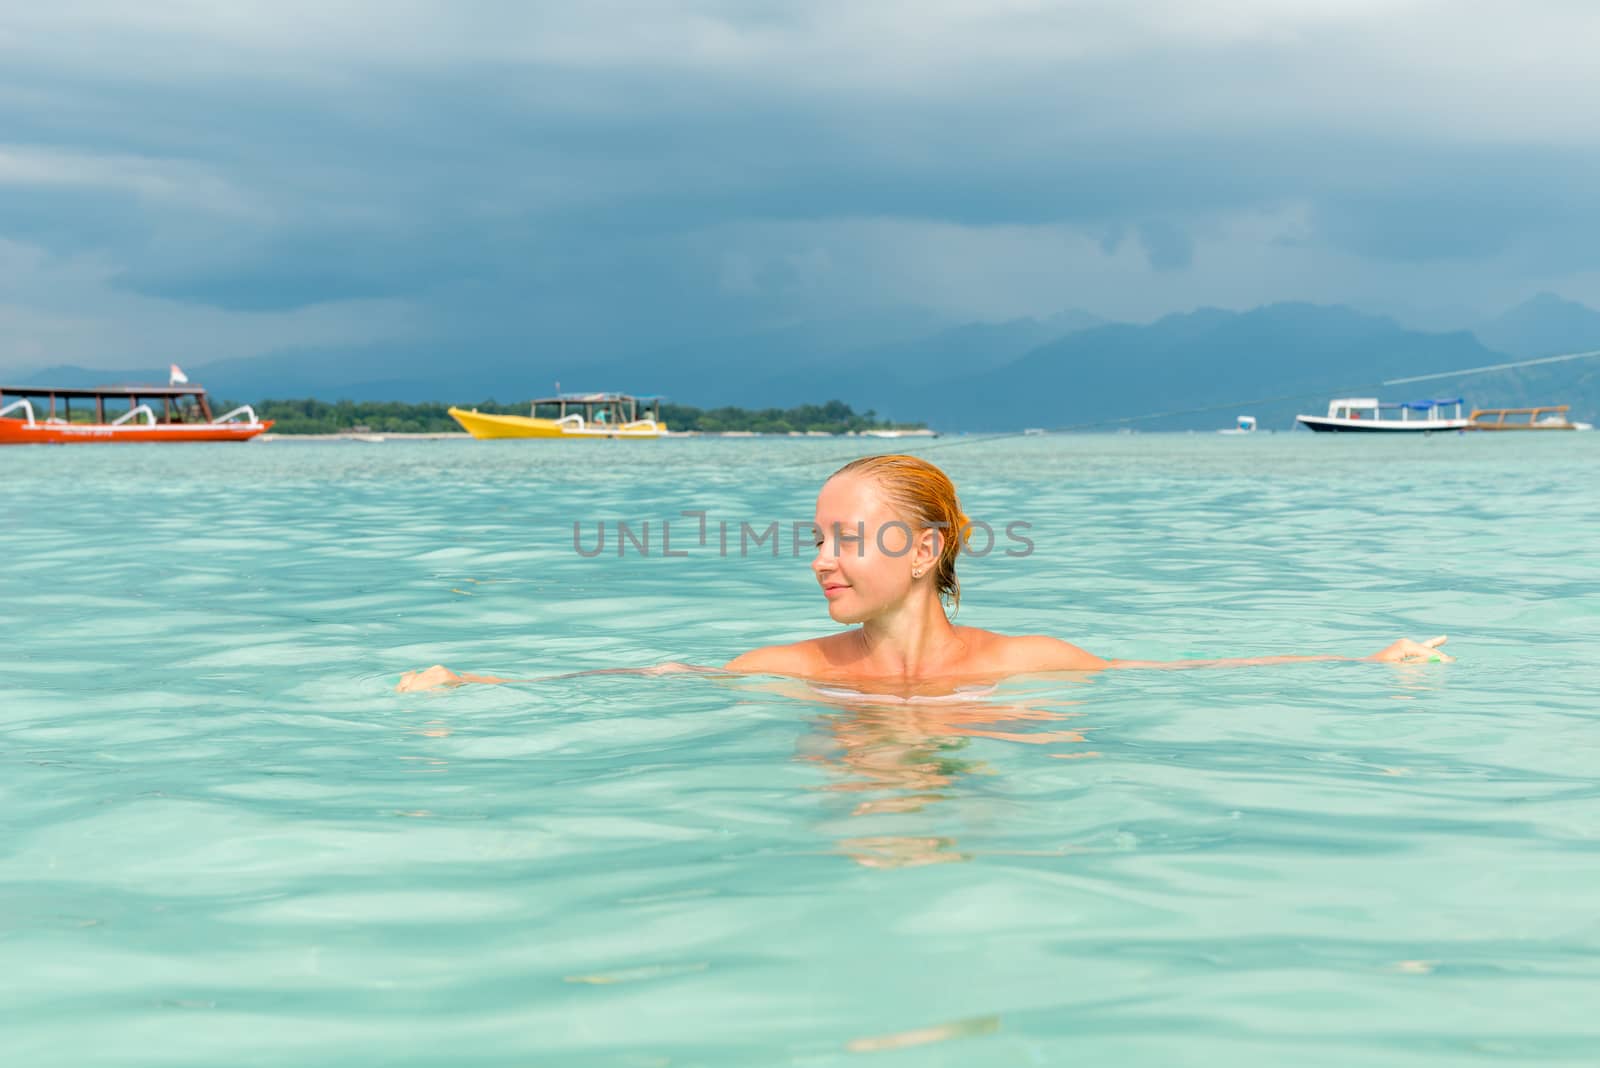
x,y
925,496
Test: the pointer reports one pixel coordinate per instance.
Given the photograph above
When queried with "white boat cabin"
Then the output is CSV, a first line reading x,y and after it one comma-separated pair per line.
x,y
1371,409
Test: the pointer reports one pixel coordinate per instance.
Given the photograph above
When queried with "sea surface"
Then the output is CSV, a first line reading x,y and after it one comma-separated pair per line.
x,y
226,840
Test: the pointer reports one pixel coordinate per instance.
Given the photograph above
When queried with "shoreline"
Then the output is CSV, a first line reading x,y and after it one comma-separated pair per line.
x,y
378,437
365,437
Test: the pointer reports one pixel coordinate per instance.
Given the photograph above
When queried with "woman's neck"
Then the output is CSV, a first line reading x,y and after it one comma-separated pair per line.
x,y
916,642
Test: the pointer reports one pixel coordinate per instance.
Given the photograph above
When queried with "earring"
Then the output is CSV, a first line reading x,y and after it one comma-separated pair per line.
x,y
916,572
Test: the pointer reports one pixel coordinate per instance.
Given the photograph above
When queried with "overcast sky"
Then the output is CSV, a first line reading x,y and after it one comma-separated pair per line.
x,y
179,181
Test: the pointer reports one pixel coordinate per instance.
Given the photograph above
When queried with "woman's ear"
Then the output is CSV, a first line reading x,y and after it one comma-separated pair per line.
x,y
928,545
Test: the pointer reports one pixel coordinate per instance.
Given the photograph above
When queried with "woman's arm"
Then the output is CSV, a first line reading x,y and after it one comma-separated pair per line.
x,y
1404,651
1024,655
438,675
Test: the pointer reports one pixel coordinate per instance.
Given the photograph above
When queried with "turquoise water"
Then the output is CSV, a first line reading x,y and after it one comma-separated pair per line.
x,y
227,841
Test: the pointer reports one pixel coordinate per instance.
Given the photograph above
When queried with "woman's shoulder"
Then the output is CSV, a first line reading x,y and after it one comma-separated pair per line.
x,y
1023,653
795,658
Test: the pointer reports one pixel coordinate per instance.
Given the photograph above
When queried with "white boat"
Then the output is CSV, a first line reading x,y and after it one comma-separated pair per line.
x,y
1368,415
923,432
1246,424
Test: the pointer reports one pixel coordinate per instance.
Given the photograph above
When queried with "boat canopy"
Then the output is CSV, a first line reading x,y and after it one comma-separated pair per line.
x,y
174,399
102,391
600,407
598,398
1370,408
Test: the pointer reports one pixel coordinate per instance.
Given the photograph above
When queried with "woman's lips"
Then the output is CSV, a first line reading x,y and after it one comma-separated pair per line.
x,y
833,590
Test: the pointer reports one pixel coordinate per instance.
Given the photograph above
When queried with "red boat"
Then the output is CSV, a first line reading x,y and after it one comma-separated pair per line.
x,y
120,414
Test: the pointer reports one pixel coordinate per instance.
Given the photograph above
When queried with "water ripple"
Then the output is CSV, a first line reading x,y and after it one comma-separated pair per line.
x,y
227,838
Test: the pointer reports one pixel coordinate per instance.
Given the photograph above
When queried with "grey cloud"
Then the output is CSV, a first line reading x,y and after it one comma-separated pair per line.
x,y
1167,246
566,180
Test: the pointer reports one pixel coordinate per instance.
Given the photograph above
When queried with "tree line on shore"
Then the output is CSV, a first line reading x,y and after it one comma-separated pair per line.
x,y
310,416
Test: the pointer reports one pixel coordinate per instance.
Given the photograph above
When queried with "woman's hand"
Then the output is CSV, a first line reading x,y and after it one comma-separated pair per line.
x,y
429,679
1406,651
673,667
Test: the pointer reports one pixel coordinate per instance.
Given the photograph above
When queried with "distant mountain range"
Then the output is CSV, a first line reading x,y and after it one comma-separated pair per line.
x,y
1543,326
1202,368
1191,371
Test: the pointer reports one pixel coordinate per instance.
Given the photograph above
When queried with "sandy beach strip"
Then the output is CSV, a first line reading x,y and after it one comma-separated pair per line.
x,y
369,438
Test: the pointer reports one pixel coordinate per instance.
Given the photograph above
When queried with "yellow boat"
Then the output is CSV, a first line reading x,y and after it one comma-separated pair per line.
x,y
571,415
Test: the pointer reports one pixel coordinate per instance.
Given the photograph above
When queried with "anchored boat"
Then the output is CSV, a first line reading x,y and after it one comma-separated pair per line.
x,y
1367,415
571,415
917,432
119,414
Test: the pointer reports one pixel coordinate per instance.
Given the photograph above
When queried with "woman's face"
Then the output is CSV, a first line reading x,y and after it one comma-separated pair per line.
x,y
864,550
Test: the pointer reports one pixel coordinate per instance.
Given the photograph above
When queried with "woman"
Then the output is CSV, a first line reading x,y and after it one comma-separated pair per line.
x,y
888,532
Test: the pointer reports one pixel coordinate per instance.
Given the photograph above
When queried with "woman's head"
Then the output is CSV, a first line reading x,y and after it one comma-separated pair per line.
x,y
888,523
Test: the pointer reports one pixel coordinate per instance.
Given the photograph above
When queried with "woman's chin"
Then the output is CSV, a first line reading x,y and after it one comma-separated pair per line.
x,y
841,614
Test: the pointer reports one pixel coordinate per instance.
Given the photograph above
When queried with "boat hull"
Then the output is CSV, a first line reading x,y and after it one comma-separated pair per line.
x,y
1329,425
485,426
21,432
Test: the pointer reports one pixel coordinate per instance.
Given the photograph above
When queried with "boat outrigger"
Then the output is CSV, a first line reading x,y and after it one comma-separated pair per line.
x,y
1367,415
571,415
1547,417
119,414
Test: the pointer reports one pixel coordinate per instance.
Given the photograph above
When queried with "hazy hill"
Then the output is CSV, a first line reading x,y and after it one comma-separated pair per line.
x,y
1271,362
881,374
1543,326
